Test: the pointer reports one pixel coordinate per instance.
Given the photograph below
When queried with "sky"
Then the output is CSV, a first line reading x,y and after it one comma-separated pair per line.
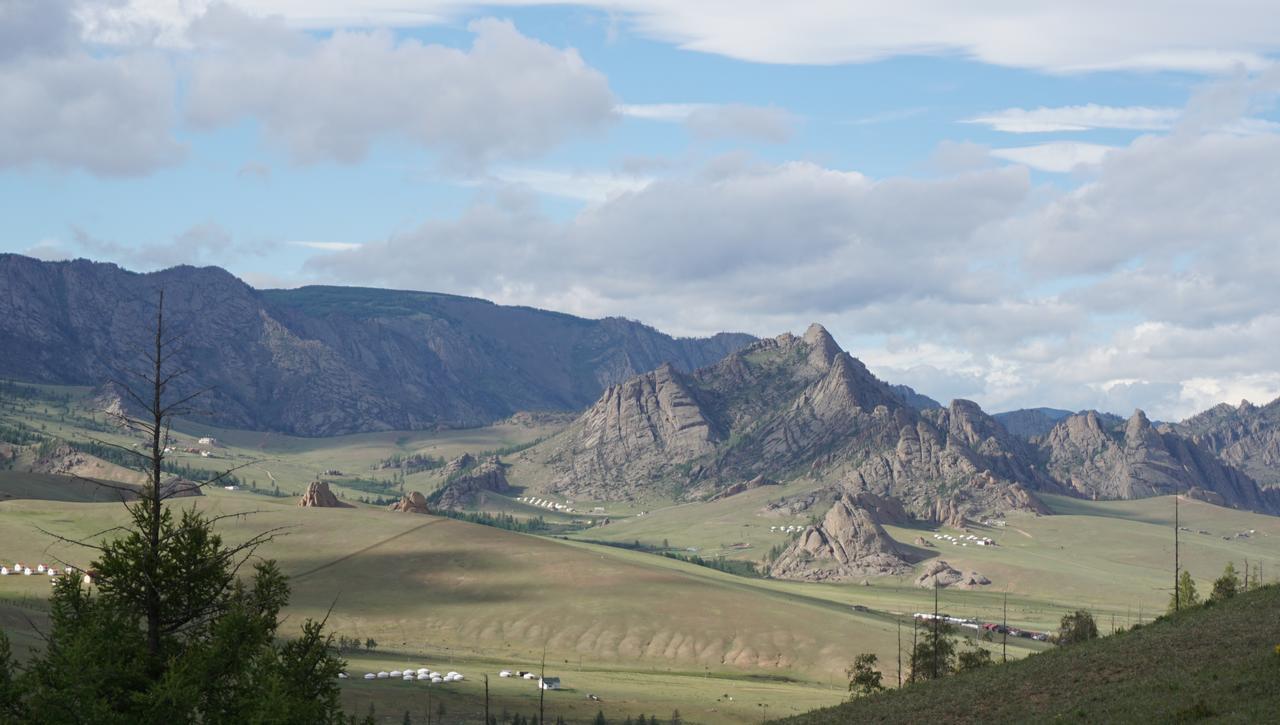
x,y
1072,205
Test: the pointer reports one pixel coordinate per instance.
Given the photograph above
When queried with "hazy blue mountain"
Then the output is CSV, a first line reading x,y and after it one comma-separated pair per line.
x,y
324,360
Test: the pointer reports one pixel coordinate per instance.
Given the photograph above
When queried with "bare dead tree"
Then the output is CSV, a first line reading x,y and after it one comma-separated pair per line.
x,y
155,391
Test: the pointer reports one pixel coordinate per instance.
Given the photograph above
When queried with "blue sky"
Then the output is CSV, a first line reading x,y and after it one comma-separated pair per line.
x,y
1019,206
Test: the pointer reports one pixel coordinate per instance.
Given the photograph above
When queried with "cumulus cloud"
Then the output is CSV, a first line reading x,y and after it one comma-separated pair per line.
x,y
784,242
110,113
507,96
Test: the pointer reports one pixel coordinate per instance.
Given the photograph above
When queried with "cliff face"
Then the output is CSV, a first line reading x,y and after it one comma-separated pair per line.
x,y
783,408
324,360
1139,460
1246,436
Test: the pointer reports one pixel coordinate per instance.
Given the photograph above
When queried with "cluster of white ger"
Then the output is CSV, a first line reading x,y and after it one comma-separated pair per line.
x,y
422,674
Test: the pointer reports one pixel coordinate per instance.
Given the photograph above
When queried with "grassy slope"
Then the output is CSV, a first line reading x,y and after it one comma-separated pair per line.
x,y
1216,663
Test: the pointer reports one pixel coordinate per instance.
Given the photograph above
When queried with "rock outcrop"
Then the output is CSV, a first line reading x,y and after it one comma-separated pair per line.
x,y
411,503
947,576
1139,460
635,432
1246,436
465,490
744,486
458,465
320,361
67,461
318,495
848,544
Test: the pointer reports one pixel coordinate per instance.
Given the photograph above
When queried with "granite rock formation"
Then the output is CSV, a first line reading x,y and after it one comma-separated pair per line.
x,y
411,503
848,544
1246,436
318,495
465,489
1139,460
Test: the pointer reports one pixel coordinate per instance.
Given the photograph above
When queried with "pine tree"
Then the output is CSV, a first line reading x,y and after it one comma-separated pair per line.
x,y
1186,595
1225,586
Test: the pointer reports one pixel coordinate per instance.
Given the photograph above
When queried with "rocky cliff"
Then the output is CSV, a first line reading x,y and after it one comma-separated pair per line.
x,y
324,360
783,408
1246,436
1139,460
849,543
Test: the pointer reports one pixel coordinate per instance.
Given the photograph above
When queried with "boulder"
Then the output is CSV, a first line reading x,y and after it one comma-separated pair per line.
x,y
948,576
411,503
318,495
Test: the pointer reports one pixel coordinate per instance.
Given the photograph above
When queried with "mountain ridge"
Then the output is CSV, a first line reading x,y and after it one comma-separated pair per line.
x,y
324,360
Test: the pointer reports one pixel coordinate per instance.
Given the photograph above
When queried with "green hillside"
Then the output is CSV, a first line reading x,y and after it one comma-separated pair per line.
x,y
1214,663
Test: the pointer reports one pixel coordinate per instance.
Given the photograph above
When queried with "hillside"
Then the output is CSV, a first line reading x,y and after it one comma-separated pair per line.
x,y
324,360
1031,423
1139,460
1215,663
1244,435
785,408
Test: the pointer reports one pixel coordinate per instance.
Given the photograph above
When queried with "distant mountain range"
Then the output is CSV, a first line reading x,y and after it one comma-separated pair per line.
x,y
694,418
324,360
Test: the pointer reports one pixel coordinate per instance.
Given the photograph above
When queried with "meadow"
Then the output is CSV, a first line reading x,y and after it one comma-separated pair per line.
x,y
642,632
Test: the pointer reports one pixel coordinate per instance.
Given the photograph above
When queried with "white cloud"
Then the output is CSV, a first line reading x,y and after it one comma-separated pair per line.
x,y
1088,35
668,112
68,108
1057,156
508,96
589,186
1079,118
327,246
715,120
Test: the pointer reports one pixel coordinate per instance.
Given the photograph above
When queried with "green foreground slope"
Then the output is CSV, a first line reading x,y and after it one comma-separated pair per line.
x,y
1213,663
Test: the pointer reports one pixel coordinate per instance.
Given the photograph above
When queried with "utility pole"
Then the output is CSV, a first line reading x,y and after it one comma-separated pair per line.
x,y
542,686
1004,624
1177,591
915,627
935,626
486,699
899,654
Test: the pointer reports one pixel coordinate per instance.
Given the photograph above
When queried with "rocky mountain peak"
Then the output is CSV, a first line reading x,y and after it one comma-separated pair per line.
x,y
823,348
